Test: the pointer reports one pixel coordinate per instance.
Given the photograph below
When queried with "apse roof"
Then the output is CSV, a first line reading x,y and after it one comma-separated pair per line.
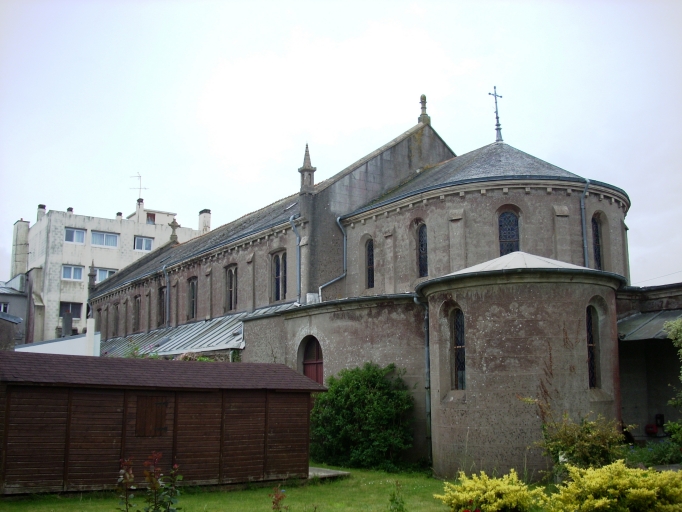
x,y
496,161
518,262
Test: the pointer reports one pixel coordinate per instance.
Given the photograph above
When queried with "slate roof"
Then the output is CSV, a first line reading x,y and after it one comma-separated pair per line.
x,y
170,254
516,262
646,326
11,318
496,161
6,290
61,370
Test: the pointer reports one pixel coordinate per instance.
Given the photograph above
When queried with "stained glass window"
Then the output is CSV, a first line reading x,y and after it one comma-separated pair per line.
x,y
370,263
596,243
422,251
592,347
457,352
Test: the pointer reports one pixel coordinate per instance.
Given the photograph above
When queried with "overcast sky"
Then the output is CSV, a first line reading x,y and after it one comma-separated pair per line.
x,y
213,102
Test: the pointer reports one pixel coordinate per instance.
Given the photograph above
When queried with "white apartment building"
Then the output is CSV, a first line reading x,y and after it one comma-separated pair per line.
x,y
56,253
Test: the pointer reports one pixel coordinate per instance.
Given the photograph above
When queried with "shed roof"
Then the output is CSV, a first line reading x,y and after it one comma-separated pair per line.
x,y
84,371
646,326
11,318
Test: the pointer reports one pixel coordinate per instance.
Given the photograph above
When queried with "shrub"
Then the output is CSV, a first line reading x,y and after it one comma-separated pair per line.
x,y
480,492
617,488
364,420
653,453
590,443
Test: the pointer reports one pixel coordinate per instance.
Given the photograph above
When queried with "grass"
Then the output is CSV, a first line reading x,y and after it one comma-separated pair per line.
x,y
364,490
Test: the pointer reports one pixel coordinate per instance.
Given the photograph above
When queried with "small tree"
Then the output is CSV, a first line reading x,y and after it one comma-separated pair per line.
x,y
674,331
364,420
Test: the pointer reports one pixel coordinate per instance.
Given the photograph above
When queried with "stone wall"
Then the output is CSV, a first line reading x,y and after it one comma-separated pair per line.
x,y
525,337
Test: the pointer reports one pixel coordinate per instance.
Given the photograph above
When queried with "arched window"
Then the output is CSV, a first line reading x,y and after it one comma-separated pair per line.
x,y
279,276
457,351
114,323
369,262
422,251
596,242
593,372
192,286
509,232
161,307
231,289
137,303
312,360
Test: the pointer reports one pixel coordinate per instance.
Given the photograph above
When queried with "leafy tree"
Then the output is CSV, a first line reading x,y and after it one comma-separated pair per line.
x,y
364,420
674,331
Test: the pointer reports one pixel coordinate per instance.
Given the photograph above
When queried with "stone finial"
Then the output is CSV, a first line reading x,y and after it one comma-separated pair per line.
x,y
174,225
424,118
307,173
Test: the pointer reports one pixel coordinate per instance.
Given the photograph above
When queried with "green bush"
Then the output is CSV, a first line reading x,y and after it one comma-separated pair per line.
x,y
590,443
617,488
364,420
480,492
654,453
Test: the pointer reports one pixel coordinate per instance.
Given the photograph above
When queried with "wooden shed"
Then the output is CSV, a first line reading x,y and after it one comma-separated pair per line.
x,y
67,421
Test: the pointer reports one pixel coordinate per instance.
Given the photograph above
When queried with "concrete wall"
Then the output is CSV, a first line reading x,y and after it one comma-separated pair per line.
x,y
525,337
49,251
463,231
19,261
350,334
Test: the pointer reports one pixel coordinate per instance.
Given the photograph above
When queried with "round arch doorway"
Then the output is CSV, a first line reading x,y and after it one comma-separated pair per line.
x,y
312,359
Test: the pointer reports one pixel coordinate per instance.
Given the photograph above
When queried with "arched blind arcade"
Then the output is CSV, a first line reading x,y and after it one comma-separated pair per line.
x,y
509,233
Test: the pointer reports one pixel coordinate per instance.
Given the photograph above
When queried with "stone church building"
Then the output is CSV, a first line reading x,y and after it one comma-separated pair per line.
x,y
489,276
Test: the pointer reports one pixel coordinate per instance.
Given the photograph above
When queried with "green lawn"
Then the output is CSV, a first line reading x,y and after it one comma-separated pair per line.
x,y
362,491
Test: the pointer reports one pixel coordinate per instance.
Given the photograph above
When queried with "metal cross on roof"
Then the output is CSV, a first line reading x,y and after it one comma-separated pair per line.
x,y
498,128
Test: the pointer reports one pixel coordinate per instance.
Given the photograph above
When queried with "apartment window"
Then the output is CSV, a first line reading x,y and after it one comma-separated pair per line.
x,y
4,307
508,233
279,274
143,243
231,288
75,236
593,372
74,308
596,242
422,251
103,273
369,262
457,354
151,218
137,303
192,286
72,273
161,307
150,416
104,239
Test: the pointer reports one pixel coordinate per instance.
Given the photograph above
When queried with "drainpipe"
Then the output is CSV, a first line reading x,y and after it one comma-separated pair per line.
x,y
427,375
584,222
298,257
167,305
345,259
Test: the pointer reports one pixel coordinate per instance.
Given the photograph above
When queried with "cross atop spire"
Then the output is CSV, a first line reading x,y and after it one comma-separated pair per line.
x,y
498,127
423,118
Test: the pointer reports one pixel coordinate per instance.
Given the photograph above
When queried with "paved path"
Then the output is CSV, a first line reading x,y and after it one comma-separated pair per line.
x,y
322,473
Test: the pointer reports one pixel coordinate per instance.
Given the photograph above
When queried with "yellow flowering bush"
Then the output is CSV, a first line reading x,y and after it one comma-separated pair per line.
x,y
616,488
480,492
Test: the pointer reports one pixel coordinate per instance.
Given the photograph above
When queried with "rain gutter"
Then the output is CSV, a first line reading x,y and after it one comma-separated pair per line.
x,y
298,257
584,222
419,299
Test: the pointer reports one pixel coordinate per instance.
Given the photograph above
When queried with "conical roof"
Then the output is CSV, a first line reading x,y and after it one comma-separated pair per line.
x,y
517,260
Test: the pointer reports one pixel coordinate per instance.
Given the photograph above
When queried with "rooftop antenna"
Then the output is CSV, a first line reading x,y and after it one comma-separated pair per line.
x,y
139,187
498,128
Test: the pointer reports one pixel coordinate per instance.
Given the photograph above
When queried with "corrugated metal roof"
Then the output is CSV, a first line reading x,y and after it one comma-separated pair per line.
x,y
646,326
222,333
